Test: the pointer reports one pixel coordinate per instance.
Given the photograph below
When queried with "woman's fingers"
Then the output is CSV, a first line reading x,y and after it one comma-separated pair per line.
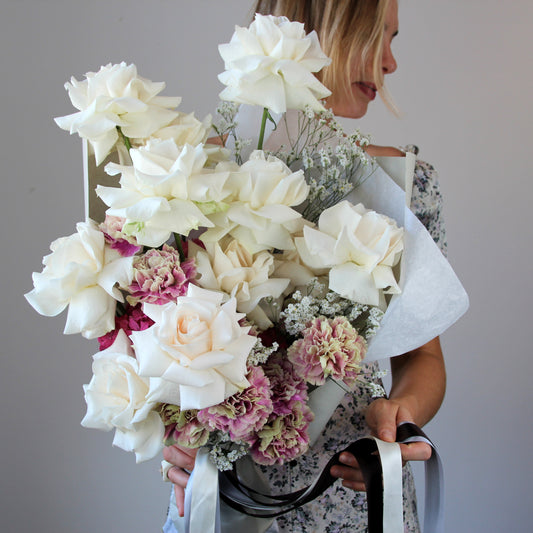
x,y
383,416
178,476
180,456
415,451
183,459
351,476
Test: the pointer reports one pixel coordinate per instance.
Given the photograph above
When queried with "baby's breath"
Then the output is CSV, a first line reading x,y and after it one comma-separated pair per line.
x,y
223,452
260,353
226,125
317,300
332,173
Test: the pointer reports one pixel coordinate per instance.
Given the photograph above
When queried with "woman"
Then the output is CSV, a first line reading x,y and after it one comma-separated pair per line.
x,y
357,36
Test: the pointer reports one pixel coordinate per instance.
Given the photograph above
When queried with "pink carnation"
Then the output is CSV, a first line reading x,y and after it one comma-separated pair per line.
x,y
244,412
283,438
329,347
132,320
192,435
126,245
183,427
159,277
286,385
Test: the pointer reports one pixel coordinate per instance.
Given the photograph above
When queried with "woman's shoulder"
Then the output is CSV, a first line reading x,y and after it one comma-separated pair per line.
x,y
426,178
426,200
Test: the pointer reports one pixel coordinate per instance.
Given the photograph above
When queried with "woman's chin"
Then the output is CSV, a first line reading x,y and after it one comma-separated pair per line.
x,y
350,110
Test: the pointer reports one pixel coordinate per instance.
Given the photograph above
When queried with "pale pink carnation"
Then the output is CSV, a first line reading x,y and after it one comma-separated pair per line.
x,y
126,245
183,427
133,319
159,277
244,412
286,385
329,347
283,437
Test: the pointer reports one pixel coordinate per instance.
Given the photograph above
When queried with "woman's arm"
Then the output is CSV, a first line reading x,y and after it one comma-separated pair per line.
x,y
418,386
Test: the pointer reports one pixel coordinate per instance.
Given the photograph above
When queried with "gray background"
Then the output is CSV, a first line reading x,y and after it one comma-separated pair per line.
x,y
464,82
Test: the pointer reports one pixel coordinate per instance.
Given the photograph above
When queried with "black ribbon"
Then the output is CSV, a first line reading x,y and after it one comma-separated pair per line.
x,y
249,501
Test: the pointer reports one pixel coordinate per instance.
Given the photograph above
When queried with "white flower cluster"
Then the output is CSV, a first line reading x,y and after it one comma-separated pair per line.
x,y
303,308
260,353
256,223
332,173
224,452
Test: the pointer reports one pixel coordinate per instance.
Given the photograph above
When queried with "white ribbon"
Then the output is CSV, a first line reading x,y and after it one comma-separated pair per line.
x,y
391,464
434,497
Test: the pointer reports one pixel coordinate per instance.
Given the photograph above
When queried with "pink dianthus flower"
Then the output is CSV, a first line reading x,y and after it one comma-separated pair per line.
x,y
244,412
283,437
329,347
183,427
132,320
126,245
159,277
286,385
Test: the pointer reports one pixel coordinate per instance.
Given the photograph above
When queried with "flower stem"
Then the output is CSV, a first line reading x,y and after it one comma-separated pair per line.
x,y
177,238
262,130
124,138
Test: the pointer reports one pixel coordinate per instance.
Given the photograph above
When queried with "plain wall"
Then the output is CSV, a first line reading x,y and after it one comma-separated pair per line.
x,y
464,83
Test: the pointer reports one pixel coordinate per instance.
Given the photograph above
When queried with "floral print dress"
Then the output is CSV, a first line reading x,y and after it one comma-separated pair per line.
x,y
338,509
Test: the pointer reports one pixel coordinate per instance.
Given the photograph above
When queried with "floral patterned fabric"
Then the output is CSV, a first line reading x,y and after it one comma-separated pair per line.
x,y
341,510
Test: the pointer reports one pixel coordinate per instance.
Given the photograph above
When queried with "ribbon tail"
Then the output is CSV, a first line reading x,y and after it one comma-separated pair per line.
x,y
434,498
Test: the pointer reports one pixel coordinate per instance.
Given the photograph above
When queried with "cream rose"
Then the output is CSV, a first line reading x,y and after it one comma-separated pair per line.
x,y
163,191
271,64
116,96
195,354
360,247
231,268
261,214
82,273
116,399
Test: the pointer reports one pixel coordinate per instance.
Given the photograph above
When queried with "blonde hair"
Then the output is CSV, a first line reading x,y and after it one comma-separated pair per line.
x,y
350,32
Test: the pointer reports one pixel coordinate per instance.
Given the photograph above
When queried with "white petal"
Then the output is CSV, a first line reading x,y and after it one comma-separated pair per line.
x,y
91,312
354,284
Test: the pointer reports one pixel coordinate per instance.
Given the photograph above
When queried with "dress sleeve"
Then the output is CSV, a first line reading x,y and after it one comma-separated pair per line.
x,y
426,201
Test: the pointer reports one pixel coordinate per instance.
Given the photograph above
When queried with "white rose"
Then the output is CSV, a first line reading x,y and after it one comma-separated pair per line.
x,y
116,96
360,246
261,213
82,273
246,277
163,191
271,64
195,354
187,129
116,398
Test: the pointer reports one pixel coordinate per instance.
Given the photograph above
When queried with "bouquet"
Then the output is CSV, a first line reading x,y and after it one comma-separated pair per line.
x,y
223,289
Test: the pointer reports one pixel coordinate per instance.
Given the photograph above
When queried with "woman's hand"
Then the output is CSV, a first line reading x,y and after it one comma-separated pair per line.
x,y
383,416
183,459
418,385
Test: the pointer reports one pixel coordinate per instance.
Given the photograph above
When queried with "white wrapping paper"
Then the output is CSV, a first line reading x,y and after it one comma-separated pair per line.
x,y
432,297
